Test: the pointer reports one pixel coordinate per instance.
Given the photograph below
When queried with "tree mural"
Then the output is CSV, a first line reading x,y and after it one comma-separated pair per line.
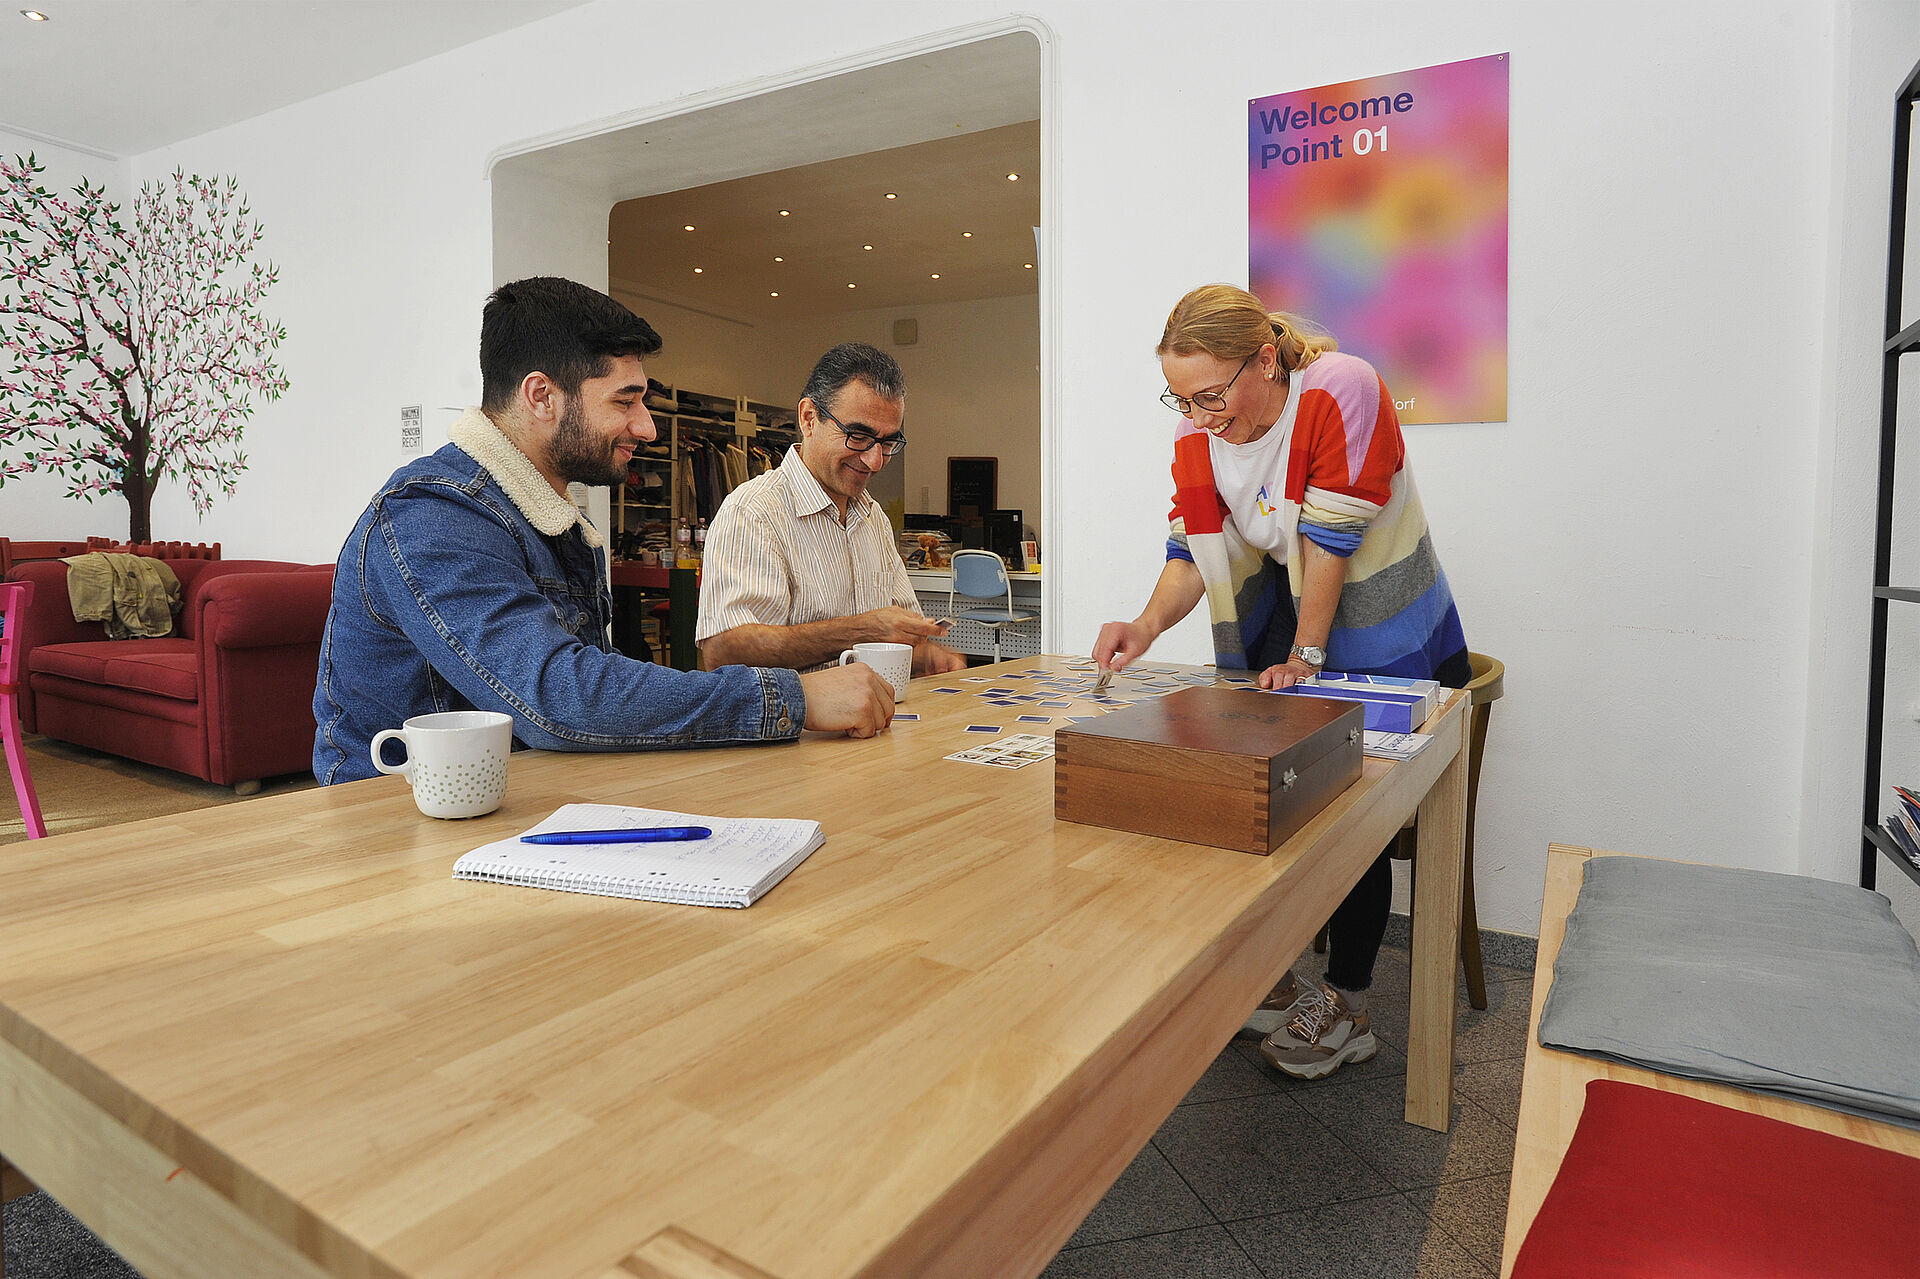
x,y
138,352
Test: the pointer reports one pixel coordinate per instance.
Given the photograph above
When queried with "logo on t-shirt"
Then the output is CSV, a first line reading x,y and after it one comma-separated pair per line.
x,y
1261,504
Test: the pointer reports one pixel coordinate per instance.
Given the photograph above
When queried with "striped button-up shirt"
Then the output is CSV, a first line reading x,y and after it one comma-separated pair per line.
x,y
777,555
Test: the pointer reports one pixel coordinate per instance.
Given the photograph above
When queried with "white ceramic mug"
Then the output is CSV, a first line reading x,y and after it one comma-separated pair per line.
x,y
891,662
456,760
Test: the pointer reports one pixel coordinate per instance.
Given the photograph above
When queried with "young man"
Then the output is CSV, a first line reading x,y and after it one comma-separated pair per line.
x,y
801,562
471,582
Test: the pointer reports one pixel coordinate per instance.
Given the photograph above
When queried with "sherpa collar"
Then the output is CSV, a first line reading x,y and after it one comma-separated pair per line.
x,y
475,435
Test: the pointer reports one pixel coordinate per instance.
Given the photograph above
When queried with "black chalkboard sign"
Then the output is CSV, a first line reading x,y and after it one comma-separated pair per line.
x,y
973,487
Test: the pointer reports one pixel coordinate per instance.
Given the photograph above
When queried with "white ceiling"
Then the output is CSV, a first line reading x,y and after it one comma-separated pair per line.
x,y
958,230
118,77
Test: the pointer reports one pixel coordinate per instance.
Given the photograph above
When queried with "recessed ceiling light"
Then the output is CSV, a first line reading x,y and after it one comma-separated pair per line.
x,y
687,227
892,196
1013,177
1029,266
966,235
867,247
773,295
786,213
699,270
850,286
33,15
936,275
779,259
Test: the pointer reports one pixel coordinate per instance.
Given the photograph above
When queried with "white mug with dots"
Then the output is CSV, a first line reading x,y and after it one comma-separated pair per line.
x,y
456,760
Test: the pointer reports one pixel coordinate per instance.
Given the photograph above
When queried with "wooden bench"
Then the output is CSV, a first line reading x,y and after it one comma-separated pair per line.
x,y
1553,1087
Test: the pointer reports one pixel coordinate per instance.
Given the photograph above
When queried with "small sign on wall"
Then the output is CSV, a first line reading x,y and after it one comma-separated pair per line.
x,y
1377,208
412,431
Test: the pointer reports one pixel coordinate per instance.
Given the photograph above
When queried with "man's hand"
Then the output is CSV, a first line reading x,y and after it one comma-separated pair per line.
x,y
936,659
896,625
850,698
1120,643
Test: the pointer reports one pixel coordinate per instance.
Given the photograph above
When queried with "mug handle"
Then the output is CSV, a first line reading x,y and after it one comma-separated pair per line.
x,y
848,656
405,769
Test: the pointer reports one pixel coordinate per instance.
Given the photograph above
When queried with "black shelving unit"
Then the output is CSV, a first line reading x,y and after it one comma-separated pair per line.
x,y
1900,343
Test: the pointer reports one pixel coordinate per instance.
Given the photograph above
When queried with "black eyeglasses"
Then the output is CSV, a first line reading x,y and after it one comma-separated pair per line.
x,y
860,439
1211,401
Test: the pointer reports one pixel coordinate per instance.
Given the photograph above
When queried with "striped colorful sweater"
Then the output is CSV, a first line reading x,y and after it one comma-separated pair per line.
x,y
1348,490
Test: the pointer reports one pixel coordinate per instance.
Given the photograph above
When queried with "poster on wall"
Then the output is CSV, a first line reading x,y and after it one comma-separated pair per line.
x,y
1378,209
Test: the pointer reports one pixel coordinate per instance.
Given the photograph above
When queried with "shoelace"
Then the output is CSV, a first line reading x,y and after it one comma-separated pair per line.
x,y
1315,1018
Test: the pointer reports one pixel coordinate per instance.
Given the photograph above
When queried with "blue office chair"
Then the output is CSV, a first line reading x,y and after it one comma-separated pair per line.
x,y
982,575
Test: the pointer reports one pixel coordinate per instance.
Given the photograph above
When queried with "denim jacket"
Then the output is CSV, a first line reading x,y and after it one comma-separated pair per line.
x,y
469,584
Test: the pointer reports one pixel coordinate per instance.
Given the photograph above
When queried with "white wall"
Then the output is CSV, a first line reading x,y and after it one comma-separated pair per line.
x,y
37,506
1638,542
973,381
1877,45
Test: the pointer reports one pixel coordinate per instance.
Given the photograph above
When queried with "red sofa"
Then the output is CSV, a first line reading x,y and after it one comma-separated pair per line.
x,y
228,697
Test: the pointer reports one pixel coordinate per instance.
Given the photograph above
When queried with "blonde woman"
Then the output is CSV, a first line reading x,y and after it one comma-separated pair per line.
x,y
1295,516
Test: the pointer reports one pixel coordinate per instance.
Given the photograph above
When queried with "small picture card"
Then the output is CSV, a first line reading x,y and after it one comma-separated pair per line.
x,y
1056,705
946,690
908,716
1016,751
1034,719
1000,701
1081,719
983,728
1003,692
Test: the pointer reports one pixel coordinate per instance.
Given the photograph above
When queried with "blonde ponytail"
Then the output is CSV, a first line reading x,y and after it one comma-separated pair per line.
x,y
1231,324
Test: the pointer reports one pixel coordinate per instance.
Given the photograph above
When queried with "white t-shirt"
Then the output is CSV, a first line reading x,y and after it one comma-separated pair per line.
x,y
1251,479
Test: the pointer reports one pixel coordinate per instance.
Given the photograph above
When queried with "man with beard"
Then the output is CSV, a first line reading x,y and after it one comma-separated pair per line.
x,y
471,582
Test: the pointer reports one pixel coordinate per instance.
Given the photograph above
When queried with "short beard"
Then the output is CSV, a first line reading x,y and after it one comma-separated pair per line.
x,y
577,456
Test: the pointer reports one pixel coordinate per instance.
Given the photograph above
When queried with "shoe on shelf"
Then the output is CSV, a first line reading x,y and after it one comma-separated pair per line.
x,y
1276,1010
1322,1036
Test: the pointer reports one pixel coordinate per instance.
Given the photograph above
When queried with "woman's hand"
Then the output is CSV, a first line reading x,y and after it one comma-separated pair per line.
x,y
1119,643
1287,674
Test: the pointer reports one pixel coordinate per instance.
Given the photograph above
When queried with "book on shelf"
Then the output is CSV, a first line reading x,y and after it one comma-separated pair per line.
x,y
1898,835
1906,832
735,866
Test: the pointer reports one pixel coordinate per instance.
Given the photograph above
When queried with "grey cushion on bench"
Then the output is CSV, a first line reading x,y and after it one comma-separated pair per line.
x,y
1779,983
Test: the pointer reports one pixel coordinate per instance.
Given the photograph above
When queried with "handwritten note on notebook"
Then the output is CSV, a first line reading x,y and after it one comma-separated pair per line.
x,y
745,857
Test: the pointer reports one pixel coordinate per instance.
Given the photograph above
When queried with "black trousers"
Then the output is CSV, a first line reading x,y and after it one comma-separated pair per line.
x,y
1360,921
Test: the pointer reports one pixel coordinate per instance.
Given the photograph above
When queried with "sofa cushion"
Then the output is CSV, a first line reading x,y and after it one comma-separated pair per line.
x,y
164,667
1658,1184
1783,984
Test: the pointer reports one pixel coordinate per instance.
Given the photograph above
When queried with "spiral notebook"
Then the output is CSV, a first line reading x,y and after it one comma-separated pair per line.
x,y
735,867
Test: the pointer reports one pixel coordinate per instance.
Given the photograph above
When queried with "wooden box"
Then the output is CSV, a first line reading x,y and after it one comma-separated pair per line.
x,y
1232,767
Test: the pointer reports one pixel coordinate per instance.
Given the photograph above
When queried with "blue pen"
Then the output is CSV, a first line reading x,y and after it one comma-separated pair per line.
x,y
631,835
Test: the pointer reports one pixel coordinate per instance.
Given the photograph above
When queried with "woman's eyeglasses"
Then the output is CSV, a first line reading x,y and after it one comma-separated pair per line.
x,y
1211,401
860,439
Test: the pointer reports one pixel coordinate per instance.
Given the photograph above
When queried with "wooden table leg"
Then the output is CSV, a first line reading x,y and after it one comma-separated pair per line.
x,y
1436,942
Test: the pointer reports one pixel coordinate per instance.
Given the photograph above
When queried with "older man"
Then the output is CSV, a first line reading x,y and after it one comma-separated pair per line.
x,y
800,562
471,582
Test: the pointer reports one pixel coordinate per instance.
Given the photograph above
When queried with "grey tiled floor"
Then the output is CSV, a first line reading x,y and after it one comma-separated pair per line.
x,y
1258,1176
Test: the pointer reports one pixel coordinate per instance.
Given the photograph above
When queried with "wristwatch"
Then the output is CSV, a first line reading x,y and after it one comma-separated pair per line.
x,y
1312,656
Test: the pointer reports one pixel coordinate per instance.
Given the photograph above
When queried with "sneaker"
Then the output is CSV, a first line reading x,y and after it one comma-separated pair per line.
x,y
1276,1010
1322,1036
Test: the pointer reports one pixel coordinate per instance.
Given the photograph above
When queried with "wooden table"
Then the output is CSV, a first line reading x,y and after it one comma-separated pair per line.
x,y
1553,1088
276,1039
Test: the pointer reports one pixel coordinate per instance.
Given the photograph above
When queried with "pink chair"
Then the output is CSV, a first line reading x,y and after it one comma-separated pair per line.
x,y
13,599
